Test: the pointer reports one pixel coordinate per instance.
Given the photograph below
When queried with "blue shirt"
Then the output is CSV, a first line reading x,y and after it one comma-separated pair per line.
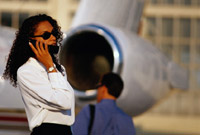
x,y
109,120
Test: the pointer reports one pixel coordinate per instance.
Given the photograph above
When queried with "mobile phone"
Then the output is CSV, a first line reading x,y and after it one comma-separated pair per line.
x,y
52,48
34,42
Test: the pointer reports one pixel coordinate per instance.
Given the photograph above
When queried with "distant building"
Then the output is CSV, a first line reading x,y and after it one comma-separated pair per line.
x,y
13,12
174,27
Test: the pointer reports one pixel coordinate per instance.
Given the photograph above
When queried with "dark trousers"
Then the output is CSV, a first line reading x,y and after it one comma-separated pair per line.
x,y
51,129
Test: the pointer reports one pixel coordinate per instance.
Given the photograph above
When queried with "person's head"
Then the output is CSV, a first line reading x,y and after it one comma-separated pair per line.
x,y
21,51
110,86
40,27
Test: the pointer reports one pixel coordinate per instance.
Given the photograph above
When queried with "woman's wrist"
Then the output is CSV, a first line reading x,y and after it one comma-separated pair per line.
x,y
50,67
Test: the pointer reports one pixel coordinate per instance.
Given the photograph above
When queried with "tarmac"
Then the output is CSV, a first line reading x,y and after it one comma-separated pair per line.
x,y
146,124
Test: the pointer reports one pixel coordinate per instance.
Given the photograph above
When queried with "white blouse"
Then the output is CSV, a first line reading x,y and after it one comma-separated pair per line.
x,y
48,97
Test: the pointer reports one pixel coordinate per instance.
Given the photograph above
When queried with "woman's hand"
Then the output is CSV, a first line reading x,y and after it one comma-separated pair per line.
x,y
42,54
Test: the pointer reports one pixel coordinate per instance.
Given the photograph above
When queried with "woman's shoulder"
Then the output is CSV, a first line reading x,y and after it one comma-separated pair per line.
x,y
27,67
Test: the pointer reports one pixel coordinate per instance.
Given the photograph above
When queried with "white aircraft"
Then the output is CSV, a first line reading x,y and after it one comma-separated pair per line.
x,y
103,38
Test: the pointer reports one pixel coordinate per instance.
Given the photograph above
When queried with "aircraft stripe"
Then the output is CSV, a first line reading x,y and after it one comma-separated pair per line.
x,y
10,118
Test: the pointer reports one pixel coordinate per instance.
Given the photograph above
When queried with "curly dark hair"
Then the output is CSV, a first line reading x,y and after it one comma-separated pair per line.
x,y
21,51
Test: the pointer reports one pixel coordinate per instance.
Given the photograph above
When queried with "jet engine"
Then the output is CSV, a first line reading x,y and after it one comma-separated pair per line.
x,y
103,38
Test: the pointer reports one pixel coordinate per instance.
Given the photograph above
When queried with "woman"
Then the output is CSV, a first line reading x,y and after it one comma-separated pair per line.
x,y
33,66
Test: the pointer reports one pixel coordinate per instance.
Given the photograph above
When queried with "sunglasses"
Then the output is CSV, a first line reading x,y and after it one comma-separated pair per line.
x,y
46,35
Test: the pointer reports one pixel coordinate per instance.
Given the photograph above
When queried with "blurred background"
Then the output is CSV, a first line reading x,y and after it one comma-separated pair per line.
x,y
173,26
